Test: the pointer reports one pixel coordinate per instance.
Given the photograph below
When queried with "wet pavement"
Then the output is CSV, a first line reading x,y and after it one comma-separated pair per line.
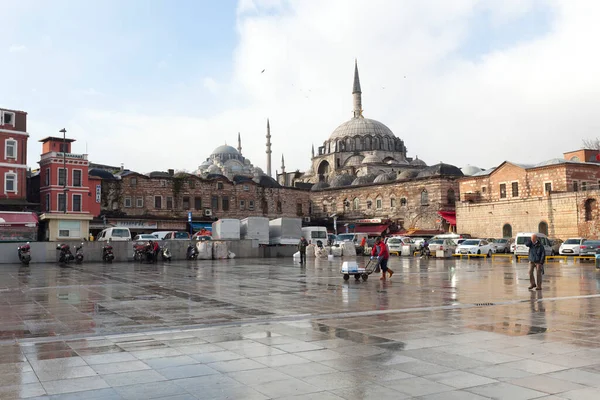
x,y
268,329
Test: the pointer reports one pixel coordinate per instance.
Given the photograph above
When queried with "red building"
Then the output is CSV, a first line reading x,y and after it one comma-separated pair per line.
x,y
69,197
13,156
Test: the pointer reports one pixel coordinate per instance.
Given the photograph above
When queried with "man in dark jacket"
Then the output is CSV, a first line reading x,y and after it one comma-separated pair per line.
x,y
537,256
302,245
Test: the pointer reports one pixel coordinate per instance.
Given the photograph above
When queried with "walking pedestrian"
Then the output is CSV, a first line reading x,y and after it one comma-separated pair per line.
x,y
537,256
383,255
302,245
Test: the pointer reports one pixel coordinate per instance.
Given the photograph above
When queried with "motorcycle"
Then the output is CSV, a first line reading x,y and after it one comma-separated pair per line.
x,y
424,250
65,255
79,254
107,253
165,254
191,253
24,253
138,252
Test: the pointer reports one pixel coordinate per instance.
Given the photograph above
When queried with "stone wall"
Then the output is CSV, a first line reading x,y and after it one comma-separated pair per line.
x,y
401,201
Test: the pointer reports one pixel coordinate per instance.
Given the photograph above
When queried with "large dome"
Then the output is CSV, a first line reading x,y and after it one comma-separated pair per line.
x,y
224,149
361,127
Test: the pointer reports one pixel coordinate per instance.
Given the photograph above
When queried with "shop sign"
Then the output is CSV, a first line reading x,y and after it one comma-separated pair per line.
x,y
172,226
135,224
98,193
369,221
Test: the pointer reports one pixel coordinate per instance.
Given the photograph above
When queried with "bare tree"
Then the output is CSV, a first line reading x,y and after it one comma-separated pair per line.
x,y
592,144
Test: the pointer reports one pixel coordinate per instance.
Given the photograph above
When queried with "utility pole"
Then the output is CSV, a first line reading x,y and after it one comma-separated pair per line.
x,y
64,132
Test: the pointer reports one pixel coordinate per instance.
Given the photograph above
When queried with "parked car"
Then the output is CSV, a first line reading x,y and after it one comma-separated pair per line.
x,y
571,247
500,245
394,244
160,234
475,246
177,235
116,234
442,244
589,248
523,238
144,237
555,243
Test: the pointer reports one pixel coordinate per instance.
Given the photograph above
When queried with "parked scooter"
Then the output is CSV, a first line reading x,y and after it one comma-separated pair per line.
x,y
65,255
24,252
79,254
107,253
192,252
165,254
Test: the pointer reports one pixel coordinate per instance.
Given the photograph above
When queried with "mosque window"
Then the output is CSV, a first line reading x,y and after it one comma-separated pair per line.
x,y
356,204
279,207
392,202
214,202
378,204
251,205
158,202
403,202
225,203
424,198
219,185
169,203
186,203
242,204
299,209
198,203
369,204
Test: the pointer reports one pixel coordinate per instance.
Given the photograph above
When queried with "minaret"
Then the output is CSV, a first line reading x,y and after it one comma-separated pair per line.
x,y
312,152
268,148
239,143
282,165
356,93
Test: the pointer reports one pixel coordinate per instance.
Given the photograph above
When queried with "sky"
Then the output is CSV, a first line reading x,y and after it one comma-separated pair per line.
x,y
158,84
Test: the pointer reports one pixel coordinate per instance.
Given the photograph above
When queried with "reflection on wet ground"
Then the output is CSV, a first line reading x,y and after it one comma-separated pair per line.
x,y
262,329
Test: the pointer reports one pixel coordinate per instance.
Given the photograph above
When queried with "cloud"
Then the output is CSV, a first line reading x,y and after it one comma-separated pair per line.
x,y
17,48
211,85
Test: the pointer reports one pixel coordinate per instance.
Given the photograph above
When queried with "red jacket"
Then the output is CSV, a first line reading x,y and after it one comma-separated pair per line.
x,y
382,249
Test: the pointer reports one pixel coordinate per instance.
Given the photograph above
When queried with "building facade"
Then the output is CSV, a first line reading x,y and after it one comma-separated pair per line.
x,y
557,197
13,157
69,197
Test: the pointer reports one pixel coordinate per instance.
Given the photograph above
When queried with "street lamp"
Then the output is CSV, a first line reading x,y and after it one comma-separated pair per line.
x,y
64,149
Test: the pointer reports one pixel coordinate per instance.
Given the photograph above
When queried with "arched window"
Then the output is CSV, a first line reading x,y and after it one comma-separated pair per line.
x,y
379,203
375,143
424,198
385,143
507,231
368,143
393,202
346,205
543,228
403,202
590,206
349,144
279,207
355,204
451,197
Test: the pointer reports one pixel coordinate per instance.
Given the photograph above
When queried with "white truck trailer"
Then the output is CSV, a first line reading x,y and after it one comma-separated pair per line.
x,y
256,228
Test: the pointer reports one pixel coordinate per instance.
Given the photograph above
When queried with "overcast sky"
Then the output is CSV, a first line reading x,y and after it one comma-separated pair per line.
x,y
159,84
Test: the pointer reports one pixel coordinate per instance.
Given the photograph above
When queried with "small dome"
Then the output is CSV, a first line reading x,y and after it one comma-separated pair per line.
x,y
371,159
159,174
101,173
234,165
258,171
418,162
354,161
361,127
470,170
408,174
554,161
342,180
224,149
206,163
440,169
267,181
385,177
364,180
213,169
241,178
319,186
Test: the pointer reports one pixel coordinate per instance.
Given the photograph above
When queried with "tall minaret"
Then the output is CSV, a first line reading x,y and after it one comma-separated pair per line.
x,y
312,152
239,143
356,93
268,148
282,165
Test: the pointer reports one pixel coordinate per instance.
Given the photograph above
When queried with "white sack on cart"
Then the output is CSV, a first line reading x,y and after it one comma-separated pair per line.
x,y
336,251
220,250
321,253
348,249
230,254
205,250
296,254
310,251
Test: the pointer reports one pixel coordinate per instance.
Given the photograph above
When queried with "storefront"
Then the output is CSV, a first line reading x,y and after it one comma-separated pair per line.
x,y
373,226
18,226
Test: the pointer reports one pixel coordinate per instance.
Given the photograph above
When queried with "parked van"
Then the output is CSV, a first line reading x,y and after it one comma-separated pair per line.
x,y
114,235
522,238
350,237
314,234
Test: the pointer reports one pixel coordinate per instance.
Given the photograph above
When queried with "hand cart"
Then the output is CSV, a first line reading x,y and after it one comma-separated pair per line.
x,y
359,272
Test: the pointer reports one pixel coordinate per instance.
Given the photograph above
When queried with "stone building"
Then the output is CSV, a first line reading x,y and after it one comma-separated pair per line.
x,y
557,197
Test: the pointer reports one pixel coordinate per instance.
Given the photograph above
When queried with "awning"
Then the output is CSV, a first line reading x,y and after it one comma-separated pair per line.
x,y
422,232
11,219
449,216
371,229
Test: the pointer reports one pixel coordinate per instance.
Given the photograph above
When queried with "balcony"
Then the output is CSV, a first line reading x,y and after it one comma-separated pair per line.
x,y
72,156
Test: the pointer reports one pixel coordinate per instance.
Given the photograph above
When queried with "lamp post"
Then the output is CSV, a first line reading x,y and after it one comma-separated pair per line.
x,y
64,132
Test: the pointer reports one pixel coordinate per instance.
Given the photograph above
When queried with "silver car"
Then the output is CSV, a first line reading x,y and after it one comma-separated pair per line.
x,y
500,245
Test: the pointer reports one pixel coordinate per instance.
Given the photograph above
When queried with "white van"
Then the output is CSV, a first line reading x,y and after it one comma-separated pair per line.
x,y
314,234
116,234
350,237
523,238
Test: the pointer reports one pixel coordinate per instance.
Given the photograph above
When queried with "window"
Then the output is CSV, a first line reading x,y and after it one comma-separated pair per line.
x,y
547,187
424,197
10,183
139,202
279,207
251,205
299,211
242,204
158,202
325,208
47,180
198,203
451,196
77,178
192,184
186,203
575,188
246,188
133,181
369,204
503,190
403,202
219,185
355,204
590,206
583,186
62,206
334,208
214,202
515,189
128,202
11,149
61,177
378,204
69,229
543,228
7,118
483,189
310,207
48,203
169,203
77,202
163,183
64,148
225,203
507,231
392,202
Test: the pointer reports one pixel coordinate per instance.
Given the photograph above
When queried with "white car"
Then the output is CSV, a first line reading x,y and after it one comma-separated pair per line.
x,y
571,247
442,244
144,237
475,246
